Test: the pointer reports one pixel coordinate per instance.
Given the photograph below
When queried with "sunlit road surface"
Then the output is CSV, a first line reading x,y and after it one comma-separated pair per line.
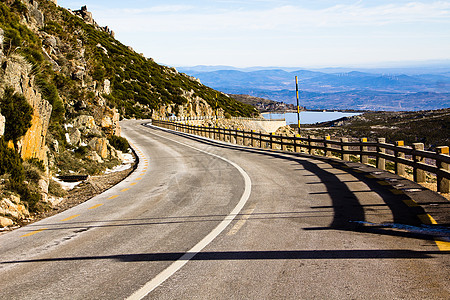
x,y
204,220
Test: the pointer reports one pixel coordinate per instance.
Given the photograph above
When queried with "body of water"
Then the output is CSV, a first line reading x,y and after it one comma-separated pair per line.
x,y
310,117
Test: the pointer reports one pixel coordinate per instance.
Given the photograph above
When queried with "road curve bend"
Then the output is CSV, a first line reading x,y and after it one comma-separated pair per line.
x,y
207,220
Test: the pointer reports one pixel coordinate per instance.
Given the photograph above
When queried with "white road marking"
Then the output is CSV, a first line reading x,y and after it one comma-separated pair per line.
x,y
175,266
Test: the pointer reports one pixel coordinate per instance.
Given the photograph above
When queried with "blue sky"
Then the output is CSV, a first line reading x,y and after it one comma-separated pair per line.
x,y
314,33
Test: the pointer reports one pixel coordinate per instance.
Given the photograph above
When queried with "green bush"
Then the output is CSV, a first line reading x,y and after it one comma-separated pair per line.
x,y
10,162
81,151
18,114
119,143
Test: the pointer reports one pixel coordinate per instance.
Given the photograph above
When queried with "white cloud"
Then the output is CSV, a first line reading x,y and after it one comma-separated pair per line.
x,y
167,18
186,34
151,10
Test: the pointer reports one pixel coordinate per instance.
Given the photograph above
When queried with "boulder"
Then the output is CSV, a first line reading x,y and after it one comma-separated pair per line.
x,y
116,154
107,87
35,13
84,123
2,125
2,37
12,207
73,137
94,156
5,222
99,145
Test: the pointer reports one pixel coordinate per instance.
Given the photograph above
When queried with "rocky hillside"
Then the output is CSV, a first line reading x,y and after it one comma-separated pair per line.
x,y
265,105
65,83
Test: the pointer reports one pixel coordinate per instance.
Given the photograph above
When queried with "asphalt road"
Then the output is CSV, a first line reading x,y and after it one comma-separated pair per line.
x,y
204,220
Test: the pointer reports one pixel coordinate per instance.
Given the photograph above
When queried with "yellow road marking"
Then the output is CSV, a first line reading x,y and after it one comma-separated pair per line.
x,y
245,216
113,197
124,190
95,206
134,183
396,192
443,246
70,218
427,219
34,232
142,174
383,183
410,203
139,178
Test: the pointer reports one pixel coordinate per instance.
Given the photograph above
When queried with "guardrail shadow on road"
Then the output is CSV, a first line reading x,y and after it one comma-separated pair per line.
x,y
249,255
348,212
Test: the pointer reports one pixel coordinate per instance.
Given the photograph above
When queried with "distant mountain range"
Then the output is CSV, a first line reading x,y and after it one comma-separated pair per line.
x,y
373,89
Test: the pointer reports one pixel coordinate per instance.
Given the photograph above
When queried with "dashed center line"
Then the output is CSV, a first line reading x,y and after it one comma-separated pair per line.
x,y
410,203
124,190
134,183
383,183
427,219
34,232
396,192
95,206
245,216
70,218
443,246
113,197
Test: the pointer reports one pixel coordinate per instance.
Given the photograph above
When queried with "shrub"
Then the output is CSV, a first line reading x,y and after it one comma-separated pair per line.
x,y
55,189
11,163
18,114
120,143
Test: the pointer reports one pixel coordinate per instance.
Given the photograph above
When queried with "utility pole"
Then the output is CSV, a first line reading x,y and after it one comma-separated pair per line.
x,y
298,106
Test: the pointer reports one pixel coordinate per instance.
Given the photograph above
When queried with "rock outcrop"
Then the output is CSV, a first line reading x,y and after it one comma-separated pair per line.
x,y
89,19
17,74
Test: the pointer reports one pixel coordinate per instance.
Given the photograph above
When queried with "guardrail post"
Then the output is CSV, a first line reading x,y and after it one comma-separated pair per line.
x,y
381,162
443,184
399,168
345,156
364,159
311,145
419,174
294,140
252,135
260,140
272,145
283,144
327,146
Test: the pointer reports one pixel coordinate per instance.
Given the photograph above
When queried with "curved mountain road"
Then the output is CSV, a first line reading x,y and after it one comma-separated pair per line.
x,y
207,220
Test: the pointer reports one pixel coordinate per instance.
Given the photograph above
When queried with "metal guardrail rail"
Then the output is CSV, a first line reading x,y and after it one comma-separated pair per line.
x,y
416,157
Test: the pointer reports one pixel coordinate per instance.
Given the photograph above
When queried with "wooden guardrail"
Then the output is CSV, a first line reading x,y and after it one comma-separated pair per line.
x,y
376,153
201,118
